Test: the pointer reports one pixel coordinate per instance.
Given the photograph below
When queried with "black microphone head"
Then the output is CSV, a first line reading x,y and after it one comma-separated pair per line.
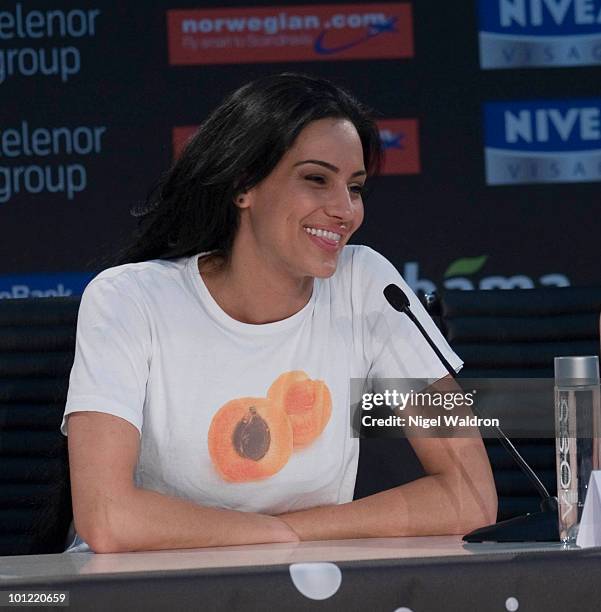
x,y
396,297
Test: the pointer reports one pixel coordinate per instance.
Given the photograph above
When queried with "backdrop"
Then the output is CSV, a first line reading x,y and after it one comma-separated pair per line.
x,y
490,113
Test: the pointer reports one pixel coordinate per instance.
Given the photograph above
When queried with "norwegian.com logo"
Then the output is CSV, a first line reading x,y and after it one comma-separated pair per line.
x,y
293,33
399,138
539,33
543,141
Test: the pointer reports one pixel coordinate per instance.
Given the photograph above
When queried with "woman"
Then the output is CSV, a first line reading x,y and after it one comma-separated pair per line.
x,y
208,402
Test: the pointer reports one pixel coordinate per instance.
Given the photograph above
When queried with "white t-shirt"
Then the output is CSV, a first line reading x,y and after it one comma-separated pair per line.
x,y
154,348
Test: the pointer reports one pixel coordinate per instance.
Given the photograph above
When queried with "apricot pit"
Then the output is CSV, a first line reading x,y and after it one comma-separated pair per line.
x,y
250,438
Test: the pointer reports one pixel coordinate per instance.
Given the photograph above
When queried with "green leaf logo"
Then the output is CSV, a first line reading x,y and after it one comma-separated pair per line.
x,y
465,266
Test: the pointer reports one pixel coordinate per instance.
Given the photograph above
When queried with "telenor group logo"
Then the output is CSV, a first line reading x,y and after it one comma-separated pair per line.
x,y
543,141
535,33
399,137
26,36
33,159
293,33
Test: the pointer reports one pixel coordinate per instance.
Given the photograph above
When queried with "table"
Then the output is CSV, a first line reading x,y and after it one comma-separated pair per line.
x,y
427,574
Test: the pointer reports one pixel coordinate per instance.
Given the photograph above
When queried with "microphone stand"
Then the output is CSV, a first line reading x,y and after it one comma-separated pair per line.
x,y
542,526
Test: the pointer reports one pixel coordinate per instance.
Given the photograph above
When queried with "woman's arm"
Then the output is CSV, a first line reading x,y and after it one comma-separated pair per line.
x,y
112,515
457,495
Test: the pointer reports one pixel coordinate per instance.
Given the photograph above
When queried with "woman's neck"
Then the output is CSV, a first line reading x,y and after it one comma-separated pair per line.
x,y
252,294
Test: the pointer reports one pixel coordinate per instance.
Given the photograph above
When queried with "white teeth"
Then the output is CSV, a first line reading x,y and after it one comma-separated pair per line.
x,y
323,234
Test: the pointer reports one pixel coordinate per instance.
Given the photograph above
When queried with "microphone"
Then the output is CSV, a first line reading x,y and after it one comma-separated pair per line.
x,y
396,297
540,526
399,301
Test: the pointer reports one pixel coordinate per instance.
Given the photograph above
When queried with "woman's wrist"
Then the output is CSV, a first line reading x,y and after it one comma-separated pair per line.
x,y
280,530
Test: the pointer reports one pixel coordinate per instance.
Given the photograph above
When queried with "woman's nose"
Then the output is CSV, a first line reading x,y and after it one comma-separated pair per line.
x,y
341,204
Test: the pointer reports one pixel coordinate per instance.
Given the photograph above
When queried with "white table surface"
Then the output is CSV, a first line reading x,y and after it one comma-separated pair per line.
x,y
73,564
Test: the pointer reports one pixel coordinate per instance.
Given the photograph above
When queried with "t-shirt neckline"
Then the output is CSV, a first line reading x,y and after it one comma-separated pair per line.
x,y
208,301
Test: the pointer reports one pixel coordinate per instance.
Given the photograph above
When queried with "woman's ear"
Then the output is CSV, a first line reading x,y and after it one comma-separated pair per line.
x,y
241,200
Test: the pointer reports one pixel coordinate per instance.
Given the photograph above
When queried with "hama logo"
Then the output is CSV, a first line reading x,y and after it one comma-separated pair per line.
x,y
465,273
539,33
287,34
546,141
399,139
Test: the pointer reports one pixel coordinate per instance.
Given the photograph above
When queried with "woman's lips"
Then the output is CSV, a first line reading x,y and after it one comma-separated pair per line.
x,y
326,238
331,246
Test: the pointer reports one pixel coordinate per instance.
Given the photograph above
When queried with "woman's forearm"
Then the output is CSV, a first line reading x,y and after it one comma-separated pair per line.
x,y
419,508
453,502
147,520
113,515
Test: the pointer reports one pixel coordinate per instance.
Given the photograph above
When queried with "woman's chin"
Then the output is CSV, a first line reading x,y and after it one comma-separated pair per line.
x,y
326,269
320,266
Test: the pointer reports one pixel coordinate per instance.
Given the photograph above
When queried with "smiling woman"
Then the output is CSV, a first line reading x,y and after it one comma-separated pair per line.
x,y
209,398
294,224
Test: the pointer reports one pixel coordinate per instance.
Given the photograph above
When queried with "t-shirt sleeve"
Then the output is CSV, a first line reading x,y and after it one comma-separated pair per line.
x,y
112,352
395,347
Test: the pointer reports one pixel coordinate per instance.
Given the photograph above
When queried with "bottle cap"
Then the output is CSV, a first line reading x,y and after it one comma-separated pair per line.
x,y
577,371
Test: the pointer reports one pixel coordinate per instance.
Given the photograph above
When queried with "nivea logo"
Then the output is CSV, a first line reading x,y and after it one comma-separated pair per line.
x,y
528,33
541,14
543,141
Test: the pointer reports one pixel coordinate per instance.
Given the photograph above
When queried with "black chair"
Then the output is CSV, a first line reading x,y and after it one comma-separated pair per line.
x,y
37,342
516,334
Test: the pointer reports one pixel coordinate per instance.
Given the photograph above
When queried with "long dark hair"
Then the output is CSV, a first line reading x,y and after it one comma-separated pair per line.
x,y
192,208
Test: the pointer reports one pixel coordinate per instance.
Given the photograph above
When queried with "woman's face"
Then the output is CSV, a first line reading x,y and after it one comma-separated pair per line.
x,y
297,220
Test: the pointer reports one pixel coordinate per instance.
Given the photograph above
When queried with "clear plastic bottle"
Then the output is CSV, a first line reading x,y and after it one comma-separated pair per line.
x,y
578,427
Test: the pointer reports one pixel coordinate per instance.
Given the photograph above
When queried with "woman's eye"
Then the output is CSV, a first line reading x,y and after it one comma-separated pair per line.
x,y
321,180
357,189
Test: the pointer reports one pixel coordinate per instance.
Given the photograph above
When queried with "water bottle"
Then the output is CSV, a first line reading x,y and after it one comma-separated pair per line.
x,y
578,427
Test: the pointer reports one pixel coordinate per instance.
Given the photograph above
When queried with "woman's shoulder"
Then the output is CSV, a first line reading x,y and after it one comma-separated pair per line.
x,y
144,273
140,283
362,275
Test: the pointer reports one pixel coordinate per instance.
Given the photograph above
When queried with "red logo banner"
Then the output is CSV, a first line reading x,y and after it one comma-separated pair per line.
x,y
323,32
399,138
180,137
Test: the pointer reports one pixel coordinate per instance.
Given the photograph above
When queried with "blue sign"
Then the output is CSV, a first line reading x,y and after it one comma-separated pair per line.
x,y
539,33
543,141
44,285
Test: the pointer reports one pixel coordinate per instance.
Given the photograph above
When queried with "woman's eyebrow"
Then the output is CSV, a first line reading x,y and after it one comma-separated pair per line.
x,y
328,166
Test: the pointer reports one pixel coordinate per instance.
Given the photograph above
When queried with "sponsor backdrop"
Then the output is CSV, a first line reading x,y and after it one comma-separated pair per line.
x,y
489,111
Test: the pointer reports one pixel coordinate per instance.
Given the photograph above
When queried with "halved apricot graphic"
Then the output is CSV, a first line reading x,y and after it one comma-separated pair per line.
x,y
250,438
307,403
